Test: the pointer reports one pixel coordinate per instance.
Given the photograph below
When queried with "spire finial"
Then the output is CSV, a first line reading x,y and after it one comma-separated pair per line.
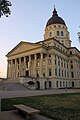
x,y
55,12
54,7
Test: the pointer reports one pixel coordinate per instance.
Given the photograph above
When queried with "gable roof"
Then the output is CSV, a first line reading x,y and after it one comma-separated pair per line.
x,y
22,47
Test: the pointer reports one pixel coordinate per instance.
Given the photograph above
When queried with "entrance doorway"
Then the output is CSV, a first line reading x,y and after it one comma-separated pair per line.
x,y
50,85
37,85
72,84
27,73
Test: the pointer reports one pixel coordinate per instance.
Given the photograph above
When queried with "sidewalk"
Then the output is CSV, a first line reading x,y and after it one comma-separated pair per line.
x,y
25,93
13,115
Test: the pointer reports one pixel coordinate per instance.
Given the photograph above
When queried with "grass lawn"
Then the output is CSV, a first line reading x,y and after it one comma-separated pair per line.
x,y
57,107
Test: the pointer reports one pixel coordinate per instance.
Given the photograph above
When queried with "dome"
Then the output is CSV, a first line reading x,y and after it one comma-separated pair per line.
x,y
55,19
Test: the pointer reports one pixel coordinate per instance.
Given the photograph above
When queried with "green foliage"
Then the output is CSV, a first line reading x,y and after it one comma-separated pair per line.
x,y
4,8
57,107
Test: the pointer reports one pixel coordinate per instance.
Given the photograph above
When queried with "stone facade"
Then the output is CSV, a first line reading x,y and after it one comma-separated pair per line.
x,y
50,63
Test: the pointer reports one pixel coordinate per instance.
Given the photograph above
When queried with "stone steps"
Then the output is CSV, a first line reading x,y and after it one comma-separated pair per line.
x,y
12,86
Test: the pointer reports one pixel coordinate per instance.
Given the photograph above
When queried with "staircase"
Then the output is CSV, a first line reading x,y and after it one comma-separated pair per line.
x,y
11,85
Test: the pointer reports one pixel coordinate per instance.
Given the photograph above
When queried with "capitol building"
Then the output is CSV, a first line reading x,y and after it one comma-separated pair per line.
x,y
50,63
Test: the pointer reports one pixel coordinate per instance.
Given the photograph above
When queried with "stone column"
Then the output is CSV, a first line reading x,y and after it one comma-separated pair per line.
x,y
46,66
19,67
24,65
15,68
35,74
41,65
8,69
11,70
52,60
30,65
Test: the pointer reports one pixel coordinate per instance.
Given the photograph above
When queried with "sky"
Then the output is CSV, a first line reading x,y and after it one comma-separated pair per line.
x,y
28,20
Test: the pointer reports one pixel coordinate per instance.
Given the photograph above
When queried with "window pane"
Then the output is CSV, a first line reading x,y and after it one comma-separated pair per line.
x,y
58,34
50,72
61,33
50,34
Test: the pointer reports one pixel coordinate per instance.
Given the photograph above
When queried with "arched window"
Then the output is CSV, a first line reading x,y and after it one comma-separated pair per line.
x,y
61,33
59,73
50,34
58,33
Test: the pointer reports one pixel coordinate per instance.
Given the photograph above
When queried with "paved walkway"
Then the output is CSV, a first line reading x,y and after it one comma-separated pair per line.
x,y
13,115
10,115
11,94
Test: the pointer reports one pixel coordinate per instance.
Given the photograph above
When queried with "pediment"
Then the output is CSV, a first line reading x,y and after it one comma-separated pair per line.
x,y
22,47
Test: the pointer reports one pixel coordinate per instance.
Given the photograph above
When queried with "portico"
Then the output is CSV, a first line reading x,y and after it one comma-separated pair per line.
x,y
27,66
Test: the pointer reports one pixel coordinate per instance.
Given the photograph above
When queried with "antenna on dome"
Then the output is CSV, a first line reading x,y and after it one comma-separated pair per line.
x,y
78,35
54,7
55,12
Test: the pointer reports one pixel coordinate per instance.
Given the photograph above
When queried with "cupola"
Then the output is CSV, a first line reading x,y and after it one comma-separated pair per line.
x,y
55,19
56,27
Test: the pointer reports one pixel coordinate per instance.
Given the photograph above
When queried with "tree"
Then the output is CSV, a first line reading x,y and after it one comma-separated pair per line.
x,y
4,8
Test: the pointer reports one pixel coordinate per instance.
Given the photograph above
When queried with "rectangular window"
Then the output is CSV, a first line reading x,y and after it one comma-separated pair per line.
x,y
71,66
55,71
72,75
59,63
43,72
61,33
62,73
50,34
55,62
62,64
70,52
59,73
50,72
67,74
37,73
